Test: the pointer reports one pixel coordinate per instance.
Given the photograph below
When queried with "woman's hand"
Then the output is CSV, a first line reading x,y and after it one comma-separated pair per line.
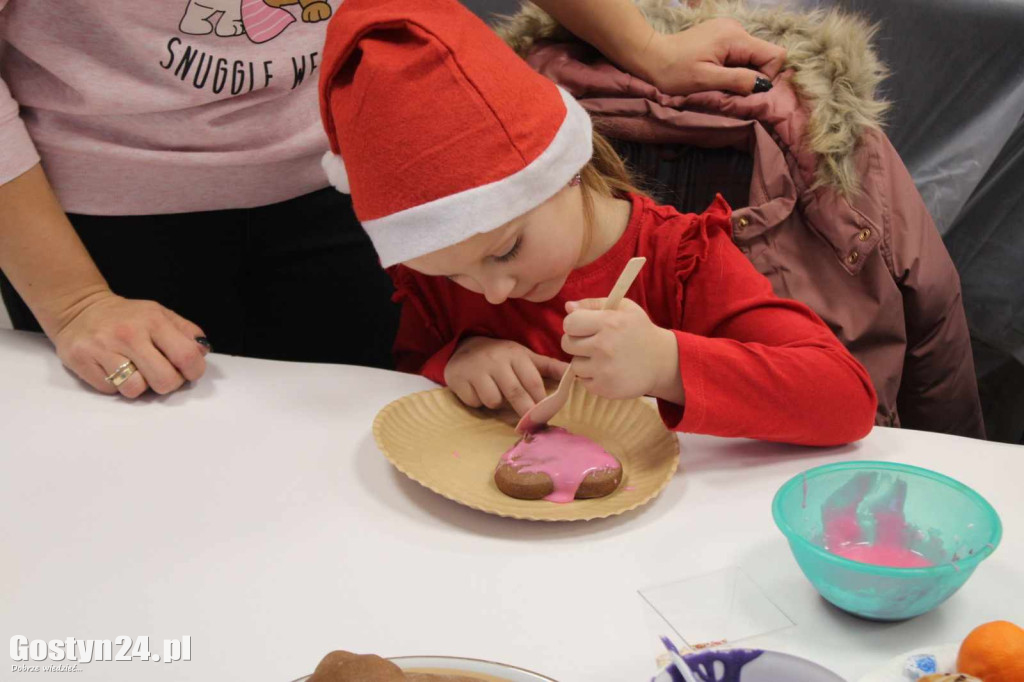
x,y
620,353
717,54
104,331
485,371
95,332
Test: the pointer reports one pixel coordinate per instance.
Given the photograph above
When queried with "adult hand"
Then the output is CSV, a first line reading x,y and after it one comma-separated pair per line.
x,y
105,331
94,331
717,54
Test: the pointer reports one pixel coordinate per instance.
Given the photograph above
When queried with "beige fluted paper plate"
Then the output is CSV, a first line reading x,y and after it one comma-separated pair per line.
x,y
472,668
435,440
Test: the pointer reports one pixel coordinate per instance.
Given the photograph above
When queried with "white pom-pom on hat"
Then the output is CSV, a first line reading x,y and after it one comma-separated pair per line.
x,y
335,169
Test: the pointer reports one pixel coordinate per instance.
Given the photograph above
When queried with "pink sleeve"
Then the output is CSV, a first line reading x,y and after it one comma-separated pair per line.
x,y
757,366
19,154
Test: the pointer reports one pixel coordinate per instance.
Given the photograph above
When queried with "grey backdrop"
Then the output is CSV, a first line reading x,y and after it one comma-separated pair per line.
x,y
486,8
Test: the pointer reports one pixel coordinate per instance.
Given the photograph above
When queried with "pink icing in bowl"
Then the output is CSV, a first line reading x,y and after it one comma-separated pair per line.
x,y
856,526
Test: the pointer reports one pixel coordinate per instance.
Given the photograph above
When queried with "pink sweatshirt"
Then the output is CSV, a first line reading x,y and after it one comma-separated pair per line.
x,y
162,107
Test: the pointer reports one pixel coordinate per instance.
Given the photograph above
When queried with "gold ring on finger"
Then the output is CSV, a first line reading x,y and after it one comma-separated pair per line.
x,y
121,374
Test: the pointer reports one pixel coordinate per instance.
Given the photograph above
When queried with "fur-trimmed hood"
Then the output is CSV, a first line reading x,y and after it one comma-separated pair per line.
x,y
835,69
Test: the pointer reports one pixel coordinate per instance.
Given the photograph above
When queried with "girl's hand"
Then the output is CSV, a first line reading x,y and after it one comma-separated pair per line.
x,y
620,353
485,371
717,54
104,331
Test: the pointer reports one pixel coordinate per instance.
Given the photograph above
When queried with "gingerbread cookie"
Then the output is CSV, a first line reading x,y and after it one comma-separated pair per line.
x,y
555,465
343,666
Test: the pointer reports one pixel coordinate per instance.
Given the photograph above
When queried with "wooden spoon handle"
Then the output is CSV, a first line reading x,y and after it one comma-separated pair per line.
x,y
624,282
542,412
615,296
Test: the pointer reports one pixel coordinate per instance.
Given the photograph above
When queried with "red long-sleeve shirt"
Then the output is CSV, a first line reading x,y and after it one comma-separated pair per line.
x,y
752,365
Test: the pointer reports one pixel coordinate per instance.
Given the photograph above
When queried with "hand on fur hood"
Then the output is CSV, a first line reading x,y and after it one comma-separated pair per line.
x,y
833,67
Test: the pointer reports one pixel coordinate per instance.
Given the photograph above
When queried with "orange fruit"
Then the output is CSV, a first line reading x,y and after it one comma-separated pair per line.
x,y
994,652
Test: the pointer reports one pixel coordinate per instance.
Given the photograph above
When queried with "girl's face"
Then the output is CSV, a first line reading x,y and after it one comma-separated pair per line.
x,y
529,257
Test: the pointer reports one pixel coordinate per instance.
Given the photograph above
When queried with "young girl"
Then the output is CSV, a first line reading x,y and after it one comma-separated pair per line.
x,y
504,221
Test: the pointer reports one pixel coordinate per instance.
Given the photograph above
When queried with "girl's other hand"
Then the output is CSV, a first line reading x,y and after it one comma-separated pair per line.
x,y
489,372
104,331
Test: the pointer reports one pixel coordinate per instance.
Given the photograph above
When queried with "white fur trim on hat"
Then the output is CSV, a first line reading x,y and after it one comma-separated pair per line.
x,y
449,220
335,169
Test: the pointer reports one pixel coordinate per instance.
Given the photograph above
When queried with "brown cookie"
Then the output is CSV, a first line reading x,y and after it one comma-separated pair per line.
x,y
342,666
535,486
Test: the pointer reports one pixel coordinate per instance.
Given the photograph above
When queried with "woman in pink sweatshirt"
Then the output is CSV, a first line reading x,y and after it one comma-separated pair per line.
x,y
160,179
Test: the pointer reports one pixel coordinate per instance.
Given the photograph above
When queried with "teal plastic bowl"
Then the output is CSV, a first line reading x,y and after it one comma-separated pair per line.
x,y
948,523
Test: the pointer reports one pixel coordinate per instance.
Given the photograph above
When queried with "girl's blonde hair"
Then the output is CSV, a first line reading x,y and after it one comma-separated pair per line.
x,y
606,174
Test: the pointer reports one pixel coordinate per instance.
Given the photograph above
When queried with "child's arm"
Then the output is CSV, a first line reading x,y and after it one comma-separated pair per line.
x,y
420,345
481,371
758,366
489,372
620,353
745,363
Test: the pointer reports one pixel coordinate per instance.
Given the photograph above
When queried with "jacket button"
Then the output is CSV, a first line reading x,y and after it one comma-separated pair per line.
x,y
853,257
865,234
743,222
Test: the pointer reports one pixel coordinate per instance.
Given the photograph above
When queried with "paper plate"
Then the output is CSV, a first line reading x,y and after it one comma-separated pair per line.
x,y
945,657
485,671
435,440
770,666
473,668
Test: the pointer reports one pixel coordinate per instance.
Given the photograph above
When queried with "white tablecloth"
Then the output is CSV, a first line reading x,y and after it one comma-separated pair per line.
x,y
254,513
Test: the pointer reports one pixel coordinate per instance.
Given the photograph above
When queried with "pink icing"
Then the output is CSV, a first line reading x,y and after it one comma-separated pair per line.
x,y
883,555
845,537
566,458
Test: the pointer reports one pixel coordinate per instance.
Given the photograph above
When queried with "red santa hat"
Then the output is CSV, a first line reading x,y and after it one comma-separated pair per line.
x,y
445,132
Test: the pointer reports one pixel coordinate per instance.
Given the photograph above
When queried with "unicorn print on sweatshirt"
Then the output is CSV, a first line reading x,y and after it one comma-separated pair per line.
x,y
259,20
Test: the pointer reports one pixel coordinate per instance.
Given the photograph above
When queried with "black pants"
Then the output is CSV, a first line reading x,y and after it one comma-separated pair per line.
x,y
298,280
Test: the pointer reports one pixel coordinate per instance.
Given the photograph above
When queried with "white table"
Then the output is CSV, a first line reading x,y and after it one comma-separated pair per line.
x,y
254,513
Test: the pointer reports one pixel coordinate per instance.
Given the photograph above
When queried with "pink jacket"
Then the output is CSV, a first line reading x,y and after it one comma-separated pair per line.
x,y
834,219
